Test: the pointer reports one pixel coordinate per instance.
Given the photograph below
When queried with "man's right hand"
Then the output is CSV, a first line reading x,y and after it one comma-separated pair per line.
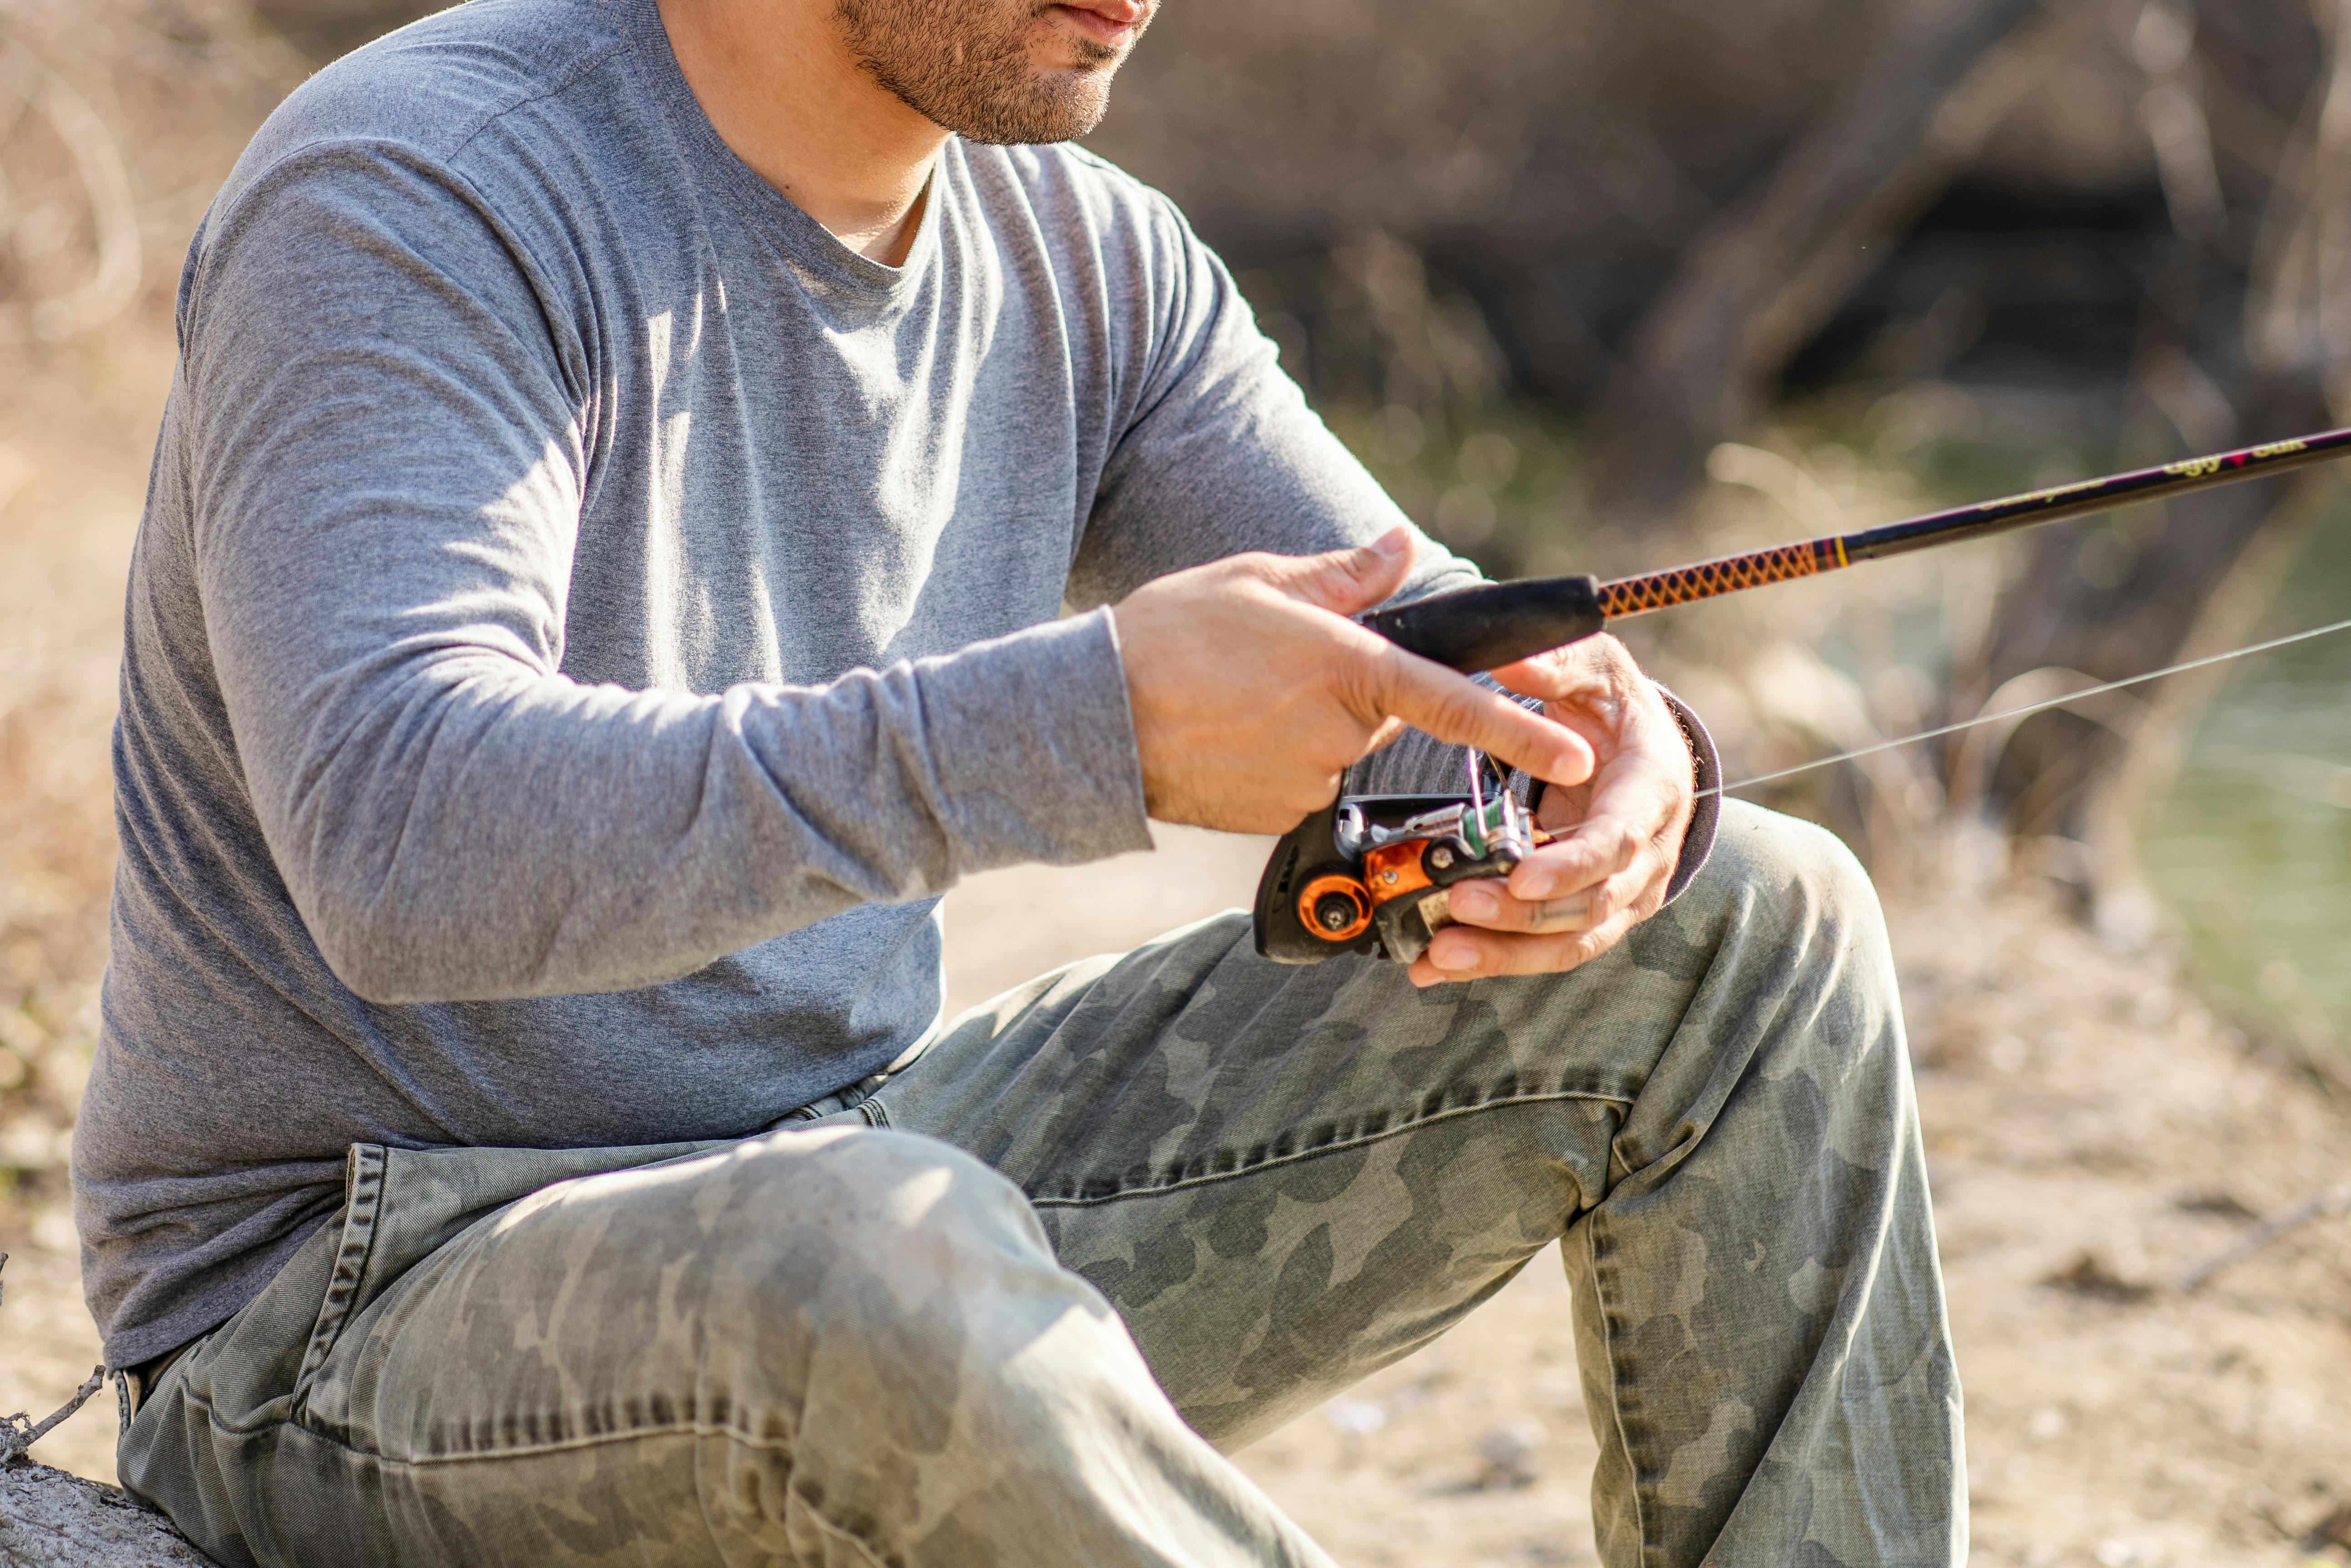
x,y
1253,692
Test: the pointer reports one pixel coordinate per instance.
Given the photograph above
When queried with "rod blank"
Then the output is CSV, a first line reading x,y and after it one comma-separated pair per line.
x,y
1491,625
1709,579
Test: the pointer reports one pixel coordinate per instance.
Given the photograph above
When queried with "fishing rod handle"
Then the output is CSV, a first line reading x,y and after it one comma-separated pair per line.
x,y
1712,578
1495,623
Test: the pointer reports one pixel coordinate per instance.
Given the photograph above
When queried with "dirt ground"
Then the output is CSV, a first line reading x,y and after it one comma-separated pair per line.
x,y
2093,1132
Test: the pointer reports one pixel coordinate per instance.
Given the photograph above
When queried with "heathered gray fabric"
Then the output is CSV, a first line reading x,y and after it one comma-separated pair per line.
x,y
585,615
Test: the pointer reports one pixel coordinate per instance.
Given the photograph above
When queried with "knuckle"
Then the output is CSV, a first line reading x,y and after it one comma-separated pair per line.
x,y
1461,716
1353,681
1504,955
1556,956
1372,664
1437,698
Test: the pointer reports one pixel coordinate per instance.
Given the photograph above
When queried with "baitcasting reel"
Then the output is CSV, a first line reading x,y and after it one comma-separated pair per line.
x,y
1371,874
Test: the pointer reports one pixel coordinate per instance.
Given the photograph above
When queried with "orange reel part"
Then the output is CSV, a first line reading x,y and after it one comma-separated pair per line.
x,y
1335,908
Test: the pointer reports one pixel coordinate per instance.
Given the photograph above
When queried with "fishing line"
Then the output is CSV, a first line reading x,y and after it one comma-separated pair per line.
x,y
2031,708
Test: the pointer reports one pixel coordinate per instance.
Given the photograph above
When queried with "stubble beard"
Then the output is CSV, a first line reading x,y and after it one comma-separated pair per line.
x,y
978,83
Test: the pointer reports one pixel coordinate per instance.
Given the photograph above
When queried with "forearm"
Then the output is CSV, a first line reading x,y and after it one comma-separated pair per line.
x,y
475,832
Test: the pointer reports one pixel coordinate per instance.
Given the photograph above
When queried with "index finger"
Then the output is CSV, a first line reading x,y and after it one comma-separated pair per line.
x,y
1632,806
1454,708
1583,857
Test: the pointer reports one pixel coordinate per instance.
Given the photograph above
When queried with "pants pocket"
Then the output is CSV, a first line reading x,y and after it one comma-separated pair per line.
x,y
363,1186
402,1205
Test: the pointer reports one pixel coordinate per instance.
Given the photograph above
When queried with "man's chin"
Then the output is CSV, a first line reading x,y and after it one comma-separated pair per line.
x,y
1062,105
1068,58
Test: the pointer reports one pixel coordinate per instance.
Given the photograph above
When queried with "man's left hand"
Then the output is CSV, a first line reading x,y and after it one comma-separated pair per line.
x,y
1619,835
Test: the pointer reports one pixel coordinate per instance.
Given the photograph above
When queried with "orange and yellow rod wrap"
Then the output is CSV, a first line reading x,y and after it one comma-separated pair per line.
x,y
1687,584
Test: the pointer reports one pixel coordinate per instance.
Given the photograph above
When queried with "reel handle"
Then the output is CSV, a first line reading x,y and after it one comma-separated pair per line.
x,y
1306,853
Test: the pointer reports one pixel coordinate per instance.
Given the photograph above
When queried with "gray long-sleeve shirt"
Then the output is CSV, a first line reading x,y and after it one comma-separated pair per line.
x,y
585,615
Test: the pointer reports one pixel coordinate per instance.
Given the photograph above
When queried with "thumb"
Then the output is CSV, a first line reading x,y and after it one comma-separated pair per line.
x,y
1350,582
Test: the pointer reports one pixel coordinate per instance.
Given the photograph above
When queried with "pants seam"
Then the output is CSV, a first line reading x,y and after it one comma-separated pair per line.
x,y
1616,1400
361,1219
203,1402
566,1445
1159,1189
676,1430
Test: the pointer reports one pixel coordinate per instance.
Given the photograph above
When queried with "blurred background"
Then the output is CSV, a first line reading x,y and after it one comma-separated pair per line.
x,y
1604,287
1592,287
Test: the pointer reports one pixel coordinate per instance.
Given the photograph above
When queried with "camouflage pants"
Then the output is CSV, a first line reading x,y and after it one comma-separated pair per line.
x,y
1008,1308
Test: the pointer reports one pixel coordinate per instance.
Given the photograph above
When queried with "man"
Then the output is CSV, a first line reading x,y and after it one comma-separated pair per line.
x,y
604,580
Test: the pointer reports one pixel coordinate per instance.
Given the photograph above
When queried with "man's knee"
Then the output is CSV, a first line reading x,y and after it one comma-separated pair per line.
x,y
1797,950
1783,902
874,1265
886,1294
1789,875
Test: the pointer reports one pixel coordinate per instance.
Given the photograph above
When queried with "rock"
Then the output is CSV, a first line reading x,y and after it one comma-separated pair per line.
x,y
1356,1417
1509,1455
52,1519
2092,1275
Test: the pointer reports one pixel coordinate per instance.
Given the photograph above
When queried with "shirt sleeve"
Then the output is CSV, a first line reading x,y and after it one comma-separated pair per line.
x,y
389,416
1217,452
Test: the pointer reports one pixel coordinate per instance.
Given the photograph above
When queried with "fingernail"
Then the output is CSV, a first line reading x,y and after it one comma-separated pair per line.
x,y
1535,886
1393,543
1454,959
1478,902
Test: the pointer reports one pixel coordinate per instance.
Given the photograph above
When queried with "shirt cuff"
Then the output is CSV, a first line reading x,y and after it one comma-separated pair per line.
x,y
1706,767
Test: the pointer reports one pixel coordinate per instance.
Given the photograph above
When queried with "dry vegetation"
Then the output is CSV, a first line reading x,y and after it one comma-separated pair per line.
x,y
114,130
2093,1130
116,123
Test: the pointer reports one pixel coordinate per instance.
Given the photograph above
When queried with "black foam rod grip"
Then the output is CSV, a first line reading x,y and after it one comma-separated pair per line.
x,y
1484,627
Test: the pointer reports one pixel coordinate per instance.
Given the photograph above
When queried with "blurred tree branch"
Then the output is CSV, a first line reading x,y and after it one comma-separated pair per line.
x,y
1771,269
2205,571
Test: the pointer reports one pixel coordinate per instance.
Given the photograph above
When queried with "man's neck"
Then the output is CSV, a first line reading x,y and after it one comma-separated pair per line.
x,y
784,91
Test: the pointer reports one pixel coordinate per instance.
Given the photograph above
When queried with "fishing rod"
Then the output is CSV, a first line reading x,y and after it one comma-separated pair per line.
x,y
1497,623
1370,873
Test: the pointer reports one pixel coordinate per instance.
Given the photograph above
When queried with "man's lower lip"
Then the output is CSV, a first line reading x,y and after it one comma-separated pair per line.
x,y
1096,26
